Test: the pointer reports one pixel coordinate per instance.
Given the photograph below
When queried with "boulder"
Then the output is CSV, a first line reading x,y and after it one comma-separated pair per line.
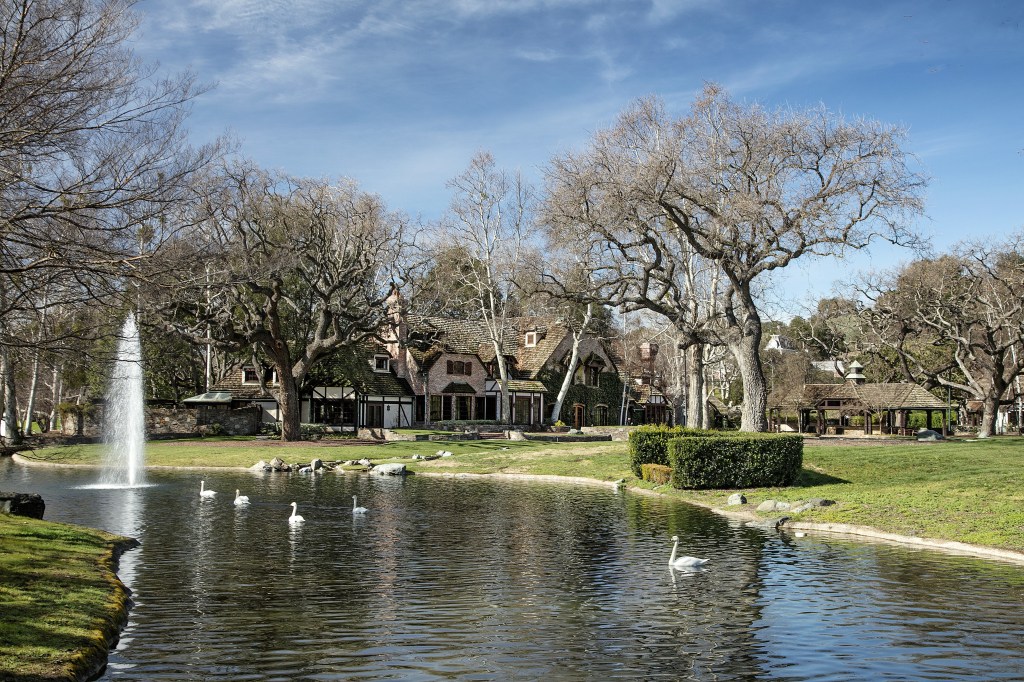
x,y
516,434
317,464
928,435
736,498
277,464
22,504
393,469
259,466
772,505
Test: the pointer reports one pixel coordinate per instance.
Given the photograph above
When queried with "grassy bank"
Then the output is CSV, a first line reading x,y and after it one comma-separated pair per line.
x,y
957,490
61,601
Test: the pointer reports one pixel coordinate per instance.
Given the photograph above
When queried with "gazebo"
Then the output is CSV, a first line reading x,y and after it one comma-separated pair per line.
x,y
829,409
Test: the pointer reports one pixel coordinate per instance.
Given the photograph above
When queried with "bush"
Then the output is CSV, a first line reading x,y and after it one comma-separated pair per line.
x,y
746,460
649,444
312,431
656,473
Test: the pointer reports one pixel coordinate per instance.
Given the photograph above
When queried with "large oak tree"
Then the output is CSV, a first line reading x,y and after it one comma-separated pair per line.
x,y
747,189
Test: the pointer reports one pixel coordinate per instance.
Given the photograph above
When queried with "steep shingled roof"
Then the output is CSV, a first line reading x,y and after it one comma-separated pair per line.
x,y
877,396
431,337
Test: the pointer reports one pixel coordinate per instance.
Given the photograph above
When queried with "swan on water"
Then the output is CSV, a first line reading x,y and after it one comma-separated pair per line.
x,y
683,561
356,509
241,499
295,518
203,492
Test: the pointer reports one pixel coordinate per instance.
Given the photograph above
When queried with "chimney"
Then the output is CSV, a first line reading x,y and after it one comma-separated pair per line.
x,y
648,351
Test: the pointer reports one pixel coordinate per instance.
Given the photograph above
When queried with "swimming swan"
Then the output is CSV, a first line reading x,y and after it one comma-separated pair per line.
x,y
356,509
684,561
203,492
295,518
241,499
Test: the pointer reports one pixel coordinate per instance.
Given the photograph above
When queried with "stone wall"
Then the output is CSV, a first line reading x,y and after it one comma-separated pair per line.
x,y
171,421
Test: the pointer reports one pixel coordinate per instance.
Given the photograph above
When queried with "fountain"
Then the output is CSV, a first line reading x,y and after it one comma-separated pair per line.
x,y
123,419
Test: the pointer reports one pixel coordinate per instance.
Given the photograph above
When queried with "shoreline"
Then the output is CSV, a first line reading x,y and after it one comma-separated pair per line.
x,y
864,533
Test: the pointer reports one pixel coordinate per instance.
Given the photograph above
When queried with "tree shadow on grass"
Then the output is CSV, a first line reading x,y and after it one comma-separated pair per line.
x,y
809,478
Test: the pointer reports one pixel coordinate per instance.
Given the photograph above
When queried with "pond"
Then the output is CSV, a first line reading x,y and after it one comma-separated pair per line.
x,y
473,579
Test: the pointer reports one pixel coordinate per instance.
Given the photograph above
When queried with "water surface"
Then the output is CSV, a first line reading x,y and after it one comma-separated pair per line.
x,y
461,578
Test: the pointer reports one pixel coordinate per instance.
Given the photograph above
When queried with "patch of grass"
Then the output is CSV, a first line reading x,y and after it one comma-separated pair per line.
x,y
61,599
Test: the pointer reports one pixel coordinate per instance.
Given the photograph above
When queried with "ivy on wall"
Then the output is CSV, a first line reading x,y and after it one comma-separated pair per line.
x,y
608,392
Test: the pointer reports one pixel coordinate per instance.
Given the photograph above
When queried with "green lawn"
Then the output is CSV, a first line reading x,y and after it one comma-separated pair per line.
x,y
61,600
956,490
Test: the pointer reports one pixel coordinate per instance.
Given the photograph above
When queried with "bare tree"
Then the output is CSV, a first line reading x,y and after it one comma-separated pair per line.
x,y
956,321
746,189
298,269
92,152
491,218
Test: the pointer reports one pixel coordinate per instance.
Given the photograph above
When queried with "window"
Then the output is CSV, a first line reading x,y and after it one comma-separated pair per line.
x,y
250,376
531,339
460,367
593,376
380,363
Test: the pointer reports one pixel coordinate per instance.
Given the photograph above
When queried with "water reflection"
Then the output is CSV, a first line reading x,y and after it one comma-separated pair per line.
x,y
460,578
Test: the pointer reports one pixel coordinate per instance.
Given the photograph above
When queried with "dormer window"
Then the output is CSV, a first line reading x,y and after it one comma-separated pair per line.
x,y
531,339
250,376
381,363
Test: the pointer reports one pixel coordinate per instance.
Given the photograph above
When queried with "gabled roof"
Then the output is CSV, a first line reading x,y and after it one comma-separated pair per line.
x,y
431,337
894,396
352,366
233,385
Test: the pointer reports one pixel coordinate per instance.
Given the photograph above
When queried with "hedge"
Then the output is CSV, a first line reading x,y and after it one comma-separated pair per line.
x,y
747,460
656,473
649,444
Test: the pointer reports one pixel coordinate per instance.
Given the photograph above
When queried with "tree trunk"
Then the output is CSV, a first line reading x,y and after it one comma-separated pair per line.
x,y
289,405
695,404
755,388
990,408
574,359
9,433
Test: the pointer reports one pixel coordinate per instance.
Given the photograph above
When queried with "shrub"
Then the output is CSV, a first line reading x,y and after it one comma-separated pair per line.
x,y
656,473
649,444
746,460
312,431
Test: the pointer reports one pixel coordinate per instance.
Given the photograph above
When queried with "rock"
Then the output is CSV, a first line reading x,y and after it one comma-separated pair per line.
x,y
393,469
277,464
574,432
417,456
928,435
769,523
22,504
736,498
516,435
766,506
316,464
260,466
365,462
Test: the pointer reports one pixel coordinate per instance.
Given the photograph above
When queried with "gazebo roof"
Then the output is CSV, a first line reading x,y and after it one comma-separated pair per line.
x,y
897,396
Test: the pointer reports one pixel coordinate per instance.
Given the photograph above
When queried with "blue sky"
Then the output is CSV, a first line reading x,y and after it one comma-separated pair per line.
x,y
400,95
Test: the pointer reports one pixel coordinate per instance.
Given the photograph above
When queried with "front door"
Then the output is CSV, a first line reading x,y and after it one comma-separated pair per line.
x,y
577,417
374,415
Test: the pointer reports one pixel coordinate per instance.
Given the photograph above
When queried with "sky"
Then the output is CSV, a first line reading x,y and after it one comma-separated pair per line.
x,y
400,95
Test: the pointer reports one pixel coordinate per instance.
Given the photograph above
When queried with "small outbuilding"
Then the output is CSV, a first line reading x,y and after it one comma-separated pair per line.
x,y
853,407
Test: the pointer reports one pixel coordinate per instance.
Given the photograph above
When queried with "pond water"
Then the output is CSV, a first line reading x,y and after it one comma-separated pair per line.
x,y
470,579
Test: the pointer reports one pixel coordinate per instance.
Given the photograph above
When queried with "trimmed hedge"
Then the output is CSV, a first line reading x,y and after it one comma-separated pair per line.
x,y
746,460
656,473
649,444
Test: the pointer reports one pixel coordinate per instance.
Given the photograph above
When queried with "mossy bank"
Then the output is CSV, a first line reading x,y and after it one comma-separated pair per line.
x,y
63,604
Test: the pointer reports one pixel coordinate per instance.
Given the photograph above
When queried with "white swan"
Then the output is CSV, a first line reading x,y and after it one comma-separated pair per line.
x,y
683,561
203,492
356,509
295,518
241,499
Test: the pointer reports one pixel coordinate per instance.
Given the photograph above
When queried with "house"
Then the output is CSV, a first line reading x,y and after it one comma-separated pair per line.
x,y
852,407
452,368
435,369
